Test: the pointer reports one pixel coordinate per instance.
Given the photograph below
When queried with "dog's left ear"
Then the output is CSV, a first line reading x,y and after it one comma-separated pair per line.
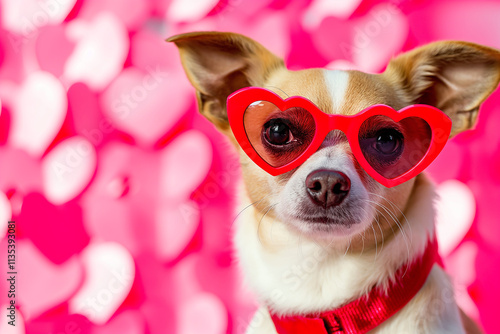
x,y
218,64
455,77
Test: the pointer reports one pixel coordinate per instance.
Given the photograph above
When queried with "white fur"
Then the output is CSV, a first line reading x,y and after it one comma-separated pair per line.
x,y
337,82
295,274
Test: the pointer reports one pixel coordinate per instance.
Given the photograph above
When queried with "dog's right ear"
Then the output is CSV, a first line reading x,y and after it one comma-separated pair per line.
x,y
218,64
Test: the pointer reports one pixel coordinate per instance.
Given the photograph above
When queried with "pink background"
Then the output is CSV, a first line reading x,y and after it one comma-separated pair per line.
x,y
124,196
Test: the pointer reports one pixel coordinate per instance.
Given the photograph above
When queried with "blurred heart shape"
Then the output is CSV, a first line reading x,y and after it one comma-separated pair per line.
x,y
319,9
448,163
44,285
38,113
456,209
5,214
146,104
53,48
128,322
175,228
68,168
184,11
461,265
101,48
378,37
24,17
209,312
482,15
66,226
185,163
110,273
368,42
5,327
132,13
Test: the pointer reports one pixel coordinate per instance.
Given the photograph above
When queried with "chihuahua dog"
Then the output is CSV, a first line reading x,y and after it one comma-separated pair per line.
x,y
337,235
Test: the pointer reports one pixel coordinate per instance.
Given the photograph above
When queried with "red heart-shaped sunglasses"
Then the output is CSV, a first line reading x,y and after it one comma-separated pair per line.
x,y
391,146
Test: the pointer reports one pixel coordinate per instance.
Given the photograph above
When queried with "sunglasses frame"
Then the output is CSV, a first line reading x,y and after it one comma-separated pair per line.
x,y
238,102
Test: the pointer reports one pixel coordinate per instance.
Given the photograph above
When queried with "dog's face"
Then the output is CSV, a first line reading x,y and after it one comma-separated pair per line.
x,y
330,196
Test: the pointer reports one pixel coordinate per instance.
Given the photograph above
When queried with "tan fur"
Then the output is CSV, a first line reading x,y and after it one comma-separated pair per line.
x,y
454,76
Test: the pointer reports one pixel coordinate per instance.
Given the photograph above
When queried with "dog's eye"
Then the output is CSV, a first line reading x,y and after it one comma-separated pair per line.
x,y
388,141
277,132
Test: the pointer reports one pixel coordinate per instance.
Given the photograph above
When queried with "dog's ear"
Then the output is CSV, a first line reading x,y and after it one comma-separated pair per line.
x,y
455,77
218,64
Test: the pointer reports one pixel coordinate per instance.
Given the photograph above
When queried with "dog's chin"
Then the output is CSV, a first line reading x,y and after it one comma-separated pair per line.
x,y
327,226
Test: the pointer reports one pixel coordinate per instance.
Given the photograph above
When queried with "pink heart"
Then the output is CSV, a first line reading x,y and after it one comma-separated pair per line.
x,y
379,36
185,163
148,50
101,49
448,163
65,223
54,284
87,116
175,228
53,49
128,322
121,9
68,169
209,312
110,272
368,41
427,22
145,104
456,209
38,113
26,16
126,182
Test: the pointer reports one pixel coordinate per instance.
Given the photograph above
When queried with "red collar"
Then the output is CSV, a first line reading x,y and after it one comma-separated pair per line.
x,y
366,313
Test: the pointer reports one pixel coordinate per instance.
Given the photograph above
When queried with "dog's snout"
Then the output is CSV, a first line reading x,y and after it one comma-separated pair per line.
x,y
327,188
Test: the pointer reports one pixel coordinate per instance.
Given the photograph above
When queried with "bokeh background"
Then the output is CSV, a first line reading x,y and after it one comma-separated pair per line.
x,y
123,195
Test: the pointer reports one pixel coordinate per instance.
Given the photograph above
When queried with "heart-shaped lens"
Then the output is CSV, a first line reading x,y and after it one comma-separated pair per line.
x,y
278,136
393,148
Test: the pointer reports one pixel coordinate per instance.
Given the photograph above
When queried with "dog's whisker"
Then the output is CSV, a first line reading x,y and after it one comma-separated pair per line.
x,y
394,206
281,90
247,207
394,218
261,218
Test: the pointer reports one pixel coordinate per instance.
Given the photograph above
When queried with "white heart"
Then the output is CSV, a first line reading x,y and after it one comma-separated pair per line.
x,y
181,10
5,213
209,312
26,16
185,163
175,228
380,35
39,112
320,9
5,328
68,169
110,272
456,209
101,50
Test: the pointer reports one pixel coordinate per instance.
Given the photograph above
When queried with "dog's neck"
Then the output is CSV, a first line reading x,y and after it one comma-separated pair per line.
x,y
292,274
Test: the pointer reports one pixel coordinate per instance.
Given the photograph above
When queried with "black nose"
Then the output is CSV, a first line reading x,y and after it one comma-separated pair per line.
x,y
327,187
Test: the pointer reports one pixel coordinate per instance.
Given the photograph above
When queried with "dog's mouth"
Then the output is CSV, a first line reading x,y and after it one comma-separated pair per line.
x,y
345,220
327,220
